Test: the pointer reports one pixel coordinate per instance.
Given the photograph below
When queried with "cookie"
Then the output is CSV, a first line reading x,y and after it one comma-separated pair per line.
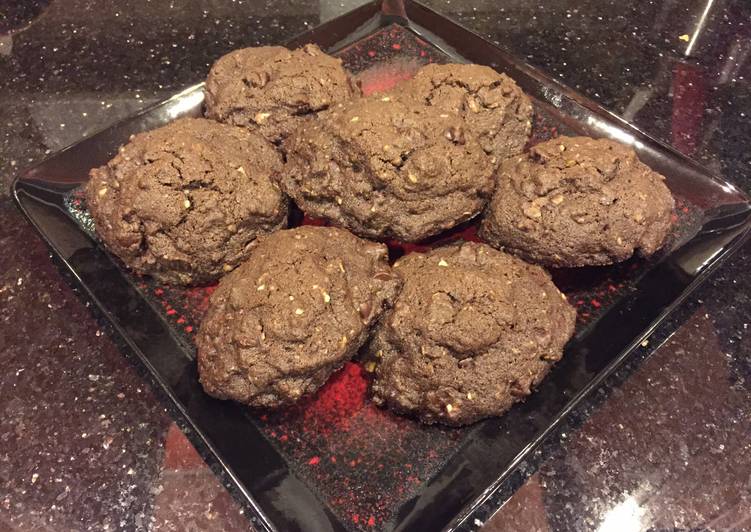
x,y
183,203
270,88
577,201
296,311
473,331
493,106
386,169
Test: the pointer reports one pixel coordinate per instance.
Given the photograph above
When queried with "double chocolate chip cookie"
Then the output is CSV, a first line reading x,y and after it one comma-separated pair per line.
x,y
270,88
492,105
183,203
472,331
384,168
576,201
283,322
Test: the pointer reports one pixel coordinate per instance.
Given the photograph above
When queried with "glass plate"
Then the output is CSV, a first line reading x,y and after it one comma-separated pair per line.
x,y
335,461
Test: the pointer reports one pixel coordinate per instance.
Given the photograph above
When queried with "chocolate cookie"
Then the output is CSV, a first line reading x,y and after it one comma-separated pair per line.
x,y
184,202
472,331
492,104
576,201
385,169
283,322
269,89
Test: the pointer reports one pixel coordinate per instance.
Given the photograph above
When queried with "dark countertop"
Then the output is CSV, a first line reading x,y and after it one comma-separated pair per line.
x,y
88,442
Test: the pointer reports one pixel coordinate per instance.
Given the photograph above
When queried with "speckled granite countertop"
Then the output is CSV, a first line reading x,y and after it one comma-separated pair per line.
x,y
88,442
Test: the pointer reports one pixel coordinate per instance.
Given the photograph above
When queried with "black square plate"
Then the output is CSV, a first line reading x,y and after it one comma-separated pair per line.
x,y
335,462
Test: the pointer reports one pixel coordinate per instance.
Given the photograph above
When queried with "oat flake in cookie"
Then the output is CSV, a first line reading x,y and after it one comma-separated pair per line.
x,y
183,203
270,88
387,169
492,104
576,201
472,331
283,322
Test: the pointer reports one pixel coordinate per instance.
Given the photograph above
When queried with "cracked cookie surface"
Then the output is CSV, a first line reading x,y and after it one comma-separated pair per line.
x,y
385,169
493,106
284,321
269,89
576,201
472,331
184,202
